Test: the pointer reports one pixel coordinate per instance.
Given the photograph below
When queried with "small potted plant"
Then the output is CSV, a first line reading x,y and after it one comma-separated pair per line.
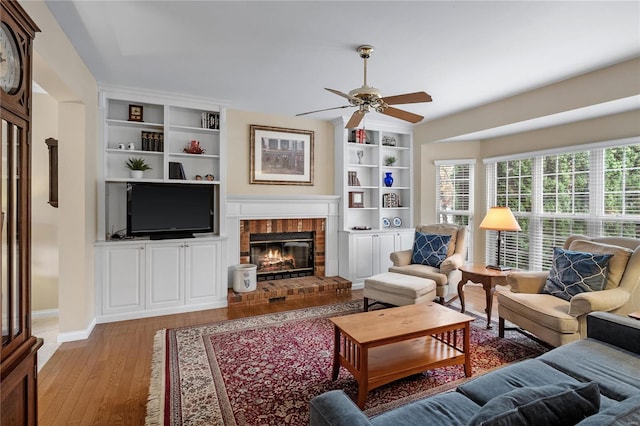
x,y
137,167
390,161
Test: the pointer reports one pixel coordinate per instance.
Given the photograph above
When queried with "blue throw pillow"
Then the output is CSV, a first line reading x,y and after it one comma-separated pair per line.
x,y
560,404
575,272
430,249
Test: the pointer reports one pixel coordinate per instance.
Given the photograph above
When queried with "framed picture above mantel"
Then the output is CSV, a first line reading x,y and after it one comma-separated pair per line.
x,y
281,156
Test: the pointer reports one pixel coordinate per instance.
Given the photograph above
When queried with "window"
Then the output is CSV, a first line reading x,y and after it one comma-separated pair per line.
x,y
594,190
454,188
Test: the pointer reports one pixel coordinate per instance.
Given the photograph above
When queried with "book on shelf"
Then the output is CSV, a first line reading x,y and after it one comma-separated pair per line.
x,y
176,171
152,141
210,120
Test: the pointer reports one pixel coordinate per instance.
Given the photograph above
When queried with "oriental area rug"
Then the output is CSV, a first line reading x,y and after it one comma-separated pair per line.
x,y
264,370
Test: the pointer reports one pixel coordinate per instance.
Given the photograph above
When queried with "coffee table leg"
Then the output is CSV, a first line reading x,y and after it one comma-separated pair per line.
x,y
336,353
466,347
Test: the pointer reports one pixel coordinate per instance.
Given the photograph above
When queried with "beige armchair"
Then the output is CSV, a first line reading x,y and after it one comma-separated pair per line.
x,y
557,321
447,276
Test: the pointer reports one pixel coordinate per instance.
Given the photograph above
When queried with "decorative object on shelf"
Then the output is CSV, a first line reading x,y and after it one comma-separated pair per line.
x,y
390,160
499,219
356,199
388,141
152,141
194,148
176,171
353,178
209,177
135,113
210,120
137,167
397,222
386,223
360,154
360,136
281,156
198,177
120,146
131,146
361,228
388,179
390,200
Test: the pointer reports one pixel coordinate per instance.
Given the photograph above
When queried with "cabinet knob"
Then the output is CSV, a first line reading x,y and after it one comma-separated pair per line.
x,y
141,247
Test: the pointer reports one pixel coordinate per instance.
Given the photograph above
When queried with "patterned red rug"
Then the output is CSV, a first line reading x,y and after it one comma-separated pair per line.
x,y
264,370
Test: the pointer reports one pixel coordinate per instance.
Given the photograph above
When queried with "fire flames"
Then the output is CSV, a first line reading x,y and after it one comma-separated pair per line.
x,y
274,260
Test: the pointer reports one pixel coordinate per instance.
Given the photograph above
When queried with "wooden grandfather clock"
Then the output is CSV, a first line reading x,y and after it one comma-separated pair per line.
x,y
18,356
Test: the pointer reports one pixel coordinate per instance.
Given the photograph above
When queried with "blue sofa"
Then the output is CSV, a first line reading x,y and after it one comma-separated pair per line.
x,y
593,381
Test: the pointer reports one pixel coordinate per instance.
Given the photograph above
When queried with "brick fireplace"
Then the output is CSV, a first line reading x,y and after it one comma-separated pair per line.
x,y
297,229
260,214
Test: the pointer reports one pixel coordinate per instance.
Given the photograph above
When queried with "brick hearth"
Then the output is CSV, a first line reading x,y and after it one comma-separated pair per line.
x,y
289,289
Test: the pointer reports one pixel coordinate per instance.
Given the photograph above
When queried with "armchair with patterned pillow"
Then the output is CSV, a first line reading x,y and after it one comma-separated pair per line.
x,y
588,274
438,251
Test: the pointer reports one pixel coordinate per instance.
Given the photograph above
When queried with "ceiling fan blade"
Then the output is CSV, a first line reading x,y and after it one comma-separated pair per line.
x,y
326,109
353,99
407,98
402,115
355,119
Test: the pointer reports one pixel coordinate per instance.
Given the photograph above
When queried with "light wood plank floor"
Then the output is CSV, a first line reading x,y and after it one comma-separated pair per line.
x,y
104,380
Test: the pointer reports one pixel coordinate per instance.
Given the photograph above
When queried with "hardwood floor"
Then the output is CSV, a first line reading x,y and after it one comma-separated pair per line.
x,y
104,380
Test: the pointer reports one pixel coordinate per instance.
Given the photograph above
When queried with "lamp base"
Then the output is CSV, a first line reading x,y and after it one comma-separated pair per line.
x,y
499,267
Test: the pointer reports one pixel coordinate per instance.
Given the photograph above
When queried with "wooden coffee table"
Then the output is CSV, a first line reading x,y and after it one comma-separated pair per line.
x,y
378,347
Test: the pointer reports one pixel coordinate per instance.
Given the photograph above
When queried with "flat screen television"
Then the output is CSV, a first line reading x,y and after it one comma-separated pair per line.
x,y
167,210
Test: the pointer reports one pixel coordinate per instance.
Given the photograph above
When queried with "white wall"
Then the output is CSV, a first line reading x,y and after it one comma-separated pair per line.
x,y
61,72
44,218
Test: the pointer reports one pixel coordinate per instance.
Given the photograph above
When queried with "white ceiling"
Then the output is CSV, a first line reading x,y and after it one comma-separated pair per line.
x,y
277,57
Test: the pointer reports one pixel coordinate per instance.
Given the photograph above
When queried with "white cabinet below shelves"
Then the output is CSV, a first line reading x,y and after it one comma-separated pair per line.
x,y
146,278
368,252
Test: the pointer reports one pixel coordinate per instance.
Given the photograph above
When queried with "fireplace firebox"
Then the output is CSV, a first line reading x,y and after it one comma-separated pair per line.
x,y
282,255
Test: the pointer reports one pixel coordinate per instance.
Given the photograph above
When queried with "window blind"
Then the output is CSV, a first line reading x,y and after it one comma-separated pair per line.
x,y
454,189
593,192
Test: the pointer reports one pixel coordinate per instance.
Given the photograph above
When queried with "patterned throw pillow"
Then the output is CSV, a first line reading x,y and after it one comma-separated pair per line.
x,y
430,249
575,272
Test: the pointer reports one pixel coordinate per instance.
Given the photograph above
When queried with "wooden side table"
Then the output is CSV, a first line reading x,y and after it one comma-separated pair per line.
x,y
489,278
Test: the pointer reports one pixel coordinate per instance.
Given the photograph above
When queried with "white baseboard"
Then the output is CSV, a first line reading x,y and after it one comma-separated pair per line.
x,y
72,336
45,313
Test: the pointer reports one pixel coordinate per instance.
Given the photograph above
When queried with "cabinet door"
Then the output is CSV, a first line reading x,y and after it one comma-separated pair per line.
x,y
123,278
363,257
165,275
202,267
386,245
404,239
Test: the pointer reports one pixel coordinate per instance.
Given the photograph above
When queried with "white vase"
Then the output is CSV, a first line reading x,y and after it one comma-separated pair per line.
x,y
136,174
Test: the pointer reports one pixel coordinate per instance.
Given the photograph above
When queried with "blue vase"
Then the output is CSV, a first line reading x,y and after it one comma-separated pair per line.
x,y
388,179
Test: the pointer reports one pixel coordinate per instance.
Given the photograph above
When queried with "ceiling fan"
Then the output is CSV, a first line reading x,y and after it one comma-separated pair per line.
x,y
367,98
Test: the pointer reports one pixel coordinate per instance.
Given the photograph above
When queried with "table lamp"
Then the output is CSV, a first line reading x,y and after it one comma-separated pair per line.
x,y
499,219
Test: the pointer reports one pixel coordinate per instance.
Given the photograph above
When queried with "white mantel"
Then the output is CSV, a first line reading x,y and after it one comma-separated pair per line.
x,y
247,207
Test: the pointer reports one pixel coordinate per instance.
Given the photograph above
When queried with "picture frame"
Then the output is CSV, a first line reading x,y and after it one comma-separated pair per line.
x,y
356,199
281,156
135,112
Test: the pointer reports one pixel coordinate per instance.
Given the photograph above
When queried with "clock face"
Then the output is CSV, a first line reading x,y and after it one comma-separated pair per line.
x,y
9,61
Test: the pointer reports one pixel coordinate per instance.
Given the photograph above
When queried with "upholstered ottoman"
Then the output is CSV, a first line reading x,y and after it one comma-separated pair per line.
x,y
394,289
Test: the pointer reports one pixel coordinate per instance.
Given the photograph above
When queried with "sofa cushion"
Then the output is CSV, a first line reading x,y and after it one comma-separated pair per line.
x,y
531,372
617,264
430,249
614,369
544,309
559,404
447,409
575,272
443,229
624,413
